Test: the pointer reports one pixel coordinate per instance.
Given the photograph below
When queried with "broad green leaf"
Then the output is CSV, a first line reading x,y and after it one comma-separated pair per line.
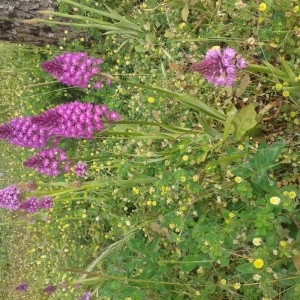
x,y
169,34
246,268
276,72
224,261
229,127
244,120
265,158
139,48
289,71
190,262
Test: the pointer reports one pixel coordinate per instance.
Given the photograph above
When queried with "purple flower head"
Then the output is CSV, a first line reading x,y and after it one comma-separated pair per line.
x,y
80,120
49,289
23,132
50,161
45,203
112,116
68,120
219,66
10,198
85,296
30,205
80,169
22,287
74,69
34,204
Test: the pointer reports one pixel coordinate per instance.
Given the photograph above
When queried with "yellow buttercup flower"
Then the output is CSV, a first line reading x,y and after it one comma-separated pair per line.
x,y
185,158
283,243
292,195
150,99
238,179
262,7
285,94
258,263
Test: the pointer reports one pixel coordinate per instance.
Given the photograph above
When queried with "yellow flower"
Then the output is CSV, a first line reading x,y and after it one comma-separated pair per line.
x,y
296,8
275,200
183,179
223,281
285,94
181,26
231,215
150,99
278,87
135,190
185,158
238,179
262,7
241,147
237,286
172,226
283,243
258,263
292,195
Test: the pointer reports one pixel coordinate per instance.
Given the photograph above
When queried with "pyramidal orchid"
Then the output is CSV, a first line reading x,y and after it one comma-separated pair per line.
x,y
219,66
69,120
50,161
76,69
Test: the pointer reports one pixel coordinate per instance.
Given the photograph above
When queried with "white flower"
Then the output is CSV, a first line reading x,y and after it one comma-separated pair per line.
x,y
275,200
256,241
256,277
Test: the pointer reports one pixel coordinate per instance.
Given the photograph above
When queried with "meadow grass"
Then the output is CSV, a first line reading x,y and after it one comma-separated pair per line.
x,y
194,192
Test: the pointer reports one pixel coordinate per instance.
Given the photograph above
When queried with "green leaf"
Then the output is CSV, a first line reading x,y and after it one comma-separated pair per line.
x,y
185,12
276,72
244,83
224,261
243,121
246,268
265,157
289,71
190,262
136,246
228,127
194,103
169,34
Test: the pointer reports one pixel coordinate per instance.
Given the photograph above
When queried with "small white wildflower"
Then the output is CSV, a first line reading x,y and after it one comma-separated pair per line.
x,y
256,241
256,277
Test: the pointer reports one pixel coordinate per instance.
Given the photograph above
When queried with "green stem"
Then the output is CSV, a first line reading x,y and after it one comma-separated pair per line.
x,y
258,69
114,15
